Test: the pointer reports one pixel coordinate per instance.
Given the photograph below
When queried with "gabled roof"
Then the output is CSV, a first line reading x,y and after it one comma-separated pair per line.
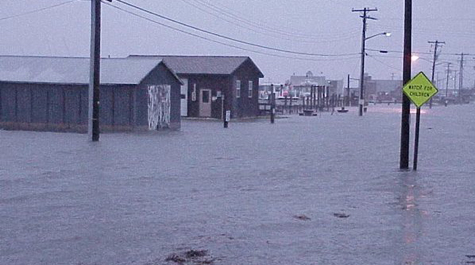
x,y
73,70
211,65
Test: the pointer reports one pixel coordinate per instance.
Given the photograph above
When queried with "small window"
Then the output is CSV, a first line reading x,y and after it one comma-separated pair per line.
x,y
250,89
205,96
238,88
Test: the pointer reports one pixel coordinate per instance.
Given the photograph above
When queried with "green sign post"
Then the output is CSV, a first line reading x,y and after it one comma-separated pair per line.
x,y
419,90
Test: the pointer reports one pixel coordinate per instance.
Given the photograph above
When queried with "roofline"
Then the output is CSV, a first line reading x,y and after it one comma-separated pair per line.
x,y
86,58
169,70
183,56
261,75
247,58
65,84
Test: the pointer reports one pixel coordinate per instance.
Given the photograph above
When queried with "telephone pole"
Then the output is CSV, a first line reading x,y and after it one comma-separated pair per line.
x,y
365,17
461,76
406,103
436,56
94,82
447,82
455,82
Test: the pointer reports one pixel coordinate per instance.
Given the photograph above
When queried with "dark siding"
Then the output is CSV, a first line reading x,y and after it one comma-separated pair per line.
x,y
106,106
39,111
24,104
56,105
65,107
122,106
141,103
245,106
72,106
240,107
84,105
39,106
9,103
215,83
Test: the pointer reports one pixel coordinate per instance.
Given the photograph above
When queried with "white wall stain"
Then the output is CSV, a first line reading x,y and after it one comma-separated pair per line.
x,y
158,107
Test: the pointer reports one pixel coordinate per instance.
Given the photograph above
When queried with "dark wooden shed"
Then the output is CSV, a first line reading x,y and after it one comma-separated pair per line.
x,y
204,78
51,93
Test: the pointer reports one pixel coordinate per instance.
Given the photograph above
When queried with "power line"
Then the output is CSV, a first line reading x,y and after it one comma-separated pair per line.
x,y
223,43
230,38
282,35
387,65
36,10
400,52
225,11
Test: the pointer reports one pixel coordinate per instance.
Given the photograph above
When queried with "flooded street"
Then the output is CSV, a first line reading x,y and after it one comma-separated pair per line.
x,y
305,190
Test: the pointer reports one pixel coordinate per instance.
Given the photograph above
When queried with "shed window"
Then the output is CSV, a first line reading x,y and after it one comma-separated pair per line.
x,y
238,88
250,89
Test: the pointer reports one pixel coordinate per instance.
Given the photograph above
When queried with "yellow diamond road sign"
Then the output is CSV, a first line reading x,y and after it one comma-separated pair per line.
x,y
420,89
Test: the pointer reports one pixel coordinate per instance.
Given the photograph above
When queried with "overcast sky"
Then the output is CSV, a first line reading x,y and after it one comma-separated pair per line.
x,y
326,27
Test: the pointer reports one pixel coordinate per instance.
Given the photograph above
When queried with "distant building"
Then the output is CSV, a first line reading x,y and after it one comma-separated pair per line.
x,y
336,87
382,90
51,93
302,84
206,78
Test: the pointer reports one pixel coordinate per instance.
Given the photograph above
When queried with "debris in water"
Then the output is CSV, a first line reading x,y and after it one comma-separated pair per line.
x,y
175,258
197,257
196,253
302,217
341,215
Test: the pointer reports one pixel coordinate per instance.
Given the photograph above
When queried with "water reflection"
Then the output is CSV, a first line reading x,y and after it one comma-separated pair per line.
x,y
412,219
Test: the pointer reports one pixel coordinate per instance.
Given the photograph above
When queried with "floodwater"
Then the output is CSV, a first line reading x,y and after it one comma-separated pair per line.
x,y
305,190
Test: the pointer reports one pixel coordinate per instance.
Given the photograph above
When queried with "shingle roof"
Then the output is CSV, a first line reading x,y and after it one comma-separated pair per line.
x,y
73,70
214,65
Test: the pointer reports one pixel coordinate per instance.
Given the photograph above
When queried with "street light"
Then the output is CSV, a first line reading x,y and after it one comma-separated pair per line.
x,y
387,34
363,53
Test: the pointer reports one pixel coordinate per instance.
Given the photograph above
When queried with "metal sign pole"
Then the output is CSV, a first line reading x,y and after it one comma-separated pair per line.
x,y
416,143
419,90
224,114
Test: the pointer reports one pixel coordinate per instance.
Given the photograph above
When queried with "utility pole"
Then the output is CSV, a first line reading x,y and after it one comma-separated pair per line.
x,y
347,103
455,81
406,103
461,76
365,17
447,83
94,82
272,104
436,46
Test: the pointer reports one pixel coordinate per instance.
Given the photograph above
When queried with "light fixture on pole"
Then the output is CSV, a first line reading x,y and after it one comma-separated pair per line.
x,y
363,54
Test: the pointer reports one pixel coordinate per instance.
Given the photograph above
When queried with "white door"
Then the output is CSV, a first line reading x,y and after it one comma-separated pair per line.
x,y
184,98
205,103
